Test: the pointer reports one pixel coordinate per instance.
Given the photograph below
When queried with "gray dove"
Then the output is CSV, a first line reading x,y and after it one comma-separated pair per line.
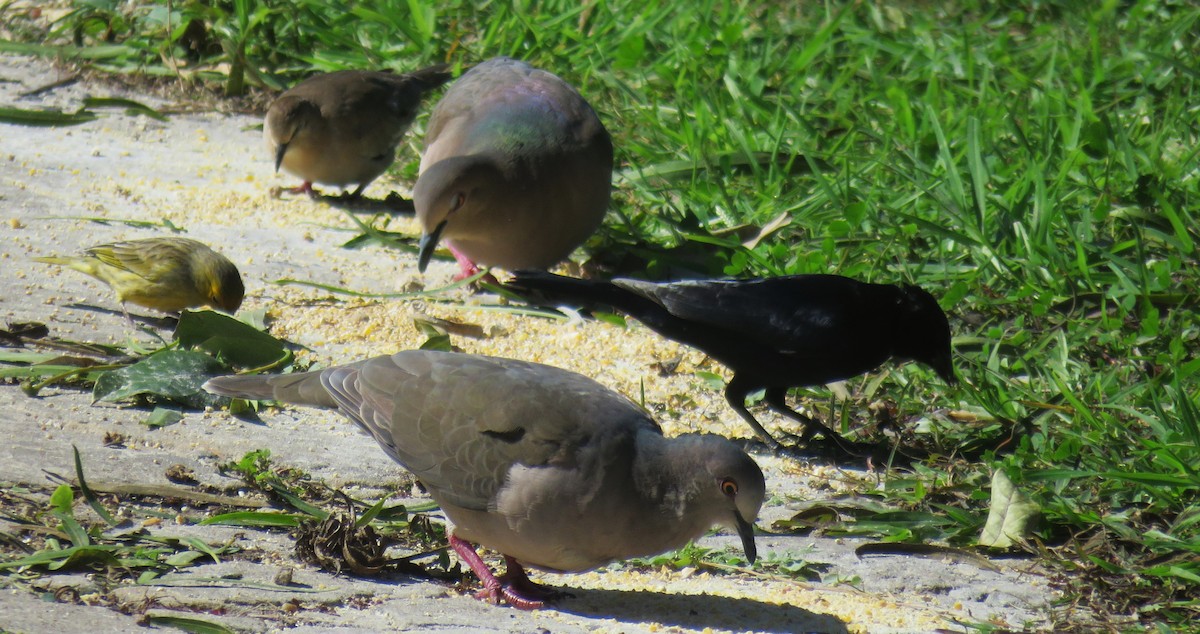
x,y
342,128
545,466
516,170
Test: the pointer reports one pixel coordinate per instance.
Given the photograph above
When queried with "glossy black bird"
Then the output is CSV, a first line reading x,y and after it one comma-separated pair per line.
x,y
773,333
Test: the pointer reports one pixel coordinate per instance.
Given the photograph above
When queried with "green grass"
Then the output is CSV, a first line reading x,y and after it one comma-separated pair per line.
x,y
1035,166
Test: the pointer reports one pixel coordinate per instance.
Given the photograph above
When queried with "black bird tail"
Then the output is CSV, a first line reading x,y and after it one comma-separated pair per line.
x,y
299,389
431,77
547,288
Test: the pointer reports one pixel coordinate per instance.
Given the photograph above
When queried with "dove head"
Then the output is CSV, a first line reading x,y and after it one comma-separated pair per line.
x,y
924,332
286,119
731,488
453,198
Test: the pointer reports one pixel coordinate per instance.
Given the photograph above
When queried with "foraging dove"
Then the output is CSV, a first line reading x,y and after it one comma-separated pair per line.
x,y
167,274
546,466
774,333
516,171
342,128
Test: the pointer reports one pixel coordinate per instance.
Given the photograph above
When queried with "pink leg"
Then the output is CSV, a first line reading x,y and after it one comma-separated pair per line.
x,y
304,188
467,268
513,587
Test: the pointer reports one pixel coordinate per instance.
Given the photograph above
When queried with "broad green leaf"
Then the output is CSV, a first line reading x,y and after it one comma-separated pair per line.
x,y
1012,514
62,499
229,340
438,342
174,375
161,417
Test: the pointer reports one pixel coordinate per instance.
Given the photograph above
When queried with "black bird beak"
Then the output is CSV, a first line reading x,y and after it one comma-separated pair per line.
x,y
428,243
279,152
746,532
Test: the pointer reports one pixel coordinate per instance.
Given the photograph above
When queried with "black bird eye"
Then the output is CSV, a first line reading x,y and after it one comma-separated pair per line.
x,y
729,487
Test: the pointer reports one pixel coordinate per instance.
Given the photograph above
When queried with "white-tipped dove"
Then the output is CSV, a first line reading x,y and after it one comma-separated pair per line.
x,y
545,466
516,171
342,128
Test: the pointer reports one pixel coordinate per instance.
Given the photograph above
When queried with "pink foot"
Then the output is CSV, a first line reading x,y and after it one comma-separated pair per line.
x,y
304,188
513,587
467,268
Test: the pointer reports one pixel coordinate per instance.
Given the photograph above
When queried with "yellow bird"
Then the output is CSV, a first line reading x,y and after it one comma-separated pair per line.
x,y
166,274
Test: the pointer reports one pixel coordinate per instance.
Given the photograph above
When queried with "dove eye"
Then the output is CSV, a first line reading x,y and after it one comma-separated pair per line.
x,y
729,487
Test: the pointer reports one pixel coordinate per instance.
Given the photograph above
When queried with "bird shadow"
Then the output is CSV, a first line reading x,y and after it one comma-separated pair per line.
x,y
697,611
164,322
393,203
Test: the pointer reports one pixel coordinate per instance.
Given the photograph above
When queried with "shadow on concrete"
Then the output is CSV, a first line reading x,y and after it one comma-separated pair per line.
x,y
696,611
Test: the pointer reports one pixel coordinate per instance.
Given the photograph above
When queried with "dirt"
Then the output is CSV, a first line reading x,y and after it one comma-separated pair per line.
x,y
210,174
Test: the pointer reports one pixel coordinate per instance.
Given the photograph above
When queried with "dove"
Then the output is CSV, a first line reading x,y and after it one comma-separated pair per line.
x,y
545,466
167,274
516,171
774,333
342,128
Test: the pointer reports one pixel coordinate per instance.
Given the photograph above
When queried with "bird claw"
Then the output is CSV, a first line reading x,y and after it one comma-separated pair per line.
x,y
518,595
513,587
304,188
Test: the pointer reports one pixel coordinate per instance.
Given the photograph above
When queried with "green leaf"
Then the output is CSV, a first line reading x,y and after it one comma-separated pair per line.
x,y
69,558
253,518
174,375
131,107
1012,514
181,559
44,118
26,356
188,624
240,407
161,417
62,499
438,342
232,341
711,380
88,495
202,547
370,514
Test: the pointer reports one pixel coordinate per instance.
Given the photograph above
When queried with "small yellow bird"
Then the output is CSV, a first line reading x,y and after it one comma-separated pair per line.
x,y
166,274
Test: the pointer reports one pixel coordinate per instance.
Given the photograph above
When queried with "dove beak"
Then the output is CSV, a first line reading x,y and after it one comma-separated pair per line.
x,y
429,242
279,152
746,532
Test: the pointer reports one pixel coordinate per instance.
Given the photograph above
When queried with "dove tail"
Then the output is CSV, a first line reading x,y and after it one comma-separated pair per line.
x,y
298,389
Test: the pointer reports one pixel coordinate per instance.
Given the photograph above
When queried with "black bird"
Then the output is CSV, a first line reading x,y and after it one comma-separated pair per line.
x,y
773,333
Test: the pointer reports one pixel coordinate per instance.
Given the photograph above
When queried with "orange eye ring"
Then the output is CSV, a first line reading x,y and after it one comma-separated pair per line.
x,y
729,487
